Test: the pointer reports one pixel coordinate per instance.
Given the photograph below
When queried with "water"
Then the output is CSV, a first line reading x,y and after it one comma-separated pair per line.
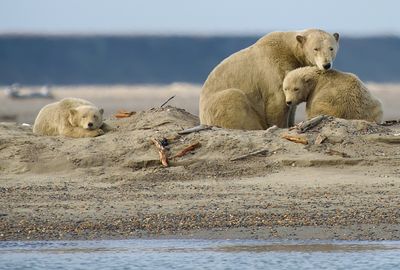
x,y
199,254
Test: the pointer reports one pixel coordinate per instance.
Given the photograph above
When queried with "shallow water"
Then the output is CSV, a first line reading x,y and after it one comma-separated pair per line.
x,y
199,254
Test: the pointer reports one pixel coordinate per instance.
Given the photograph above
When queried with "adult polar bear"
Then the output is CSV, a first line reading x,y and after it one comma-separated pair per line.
x,y
245,90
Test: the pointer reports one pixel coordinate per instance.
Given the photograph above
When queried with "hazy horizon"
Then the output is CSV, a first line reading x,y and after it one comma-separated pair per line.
x,y
205,18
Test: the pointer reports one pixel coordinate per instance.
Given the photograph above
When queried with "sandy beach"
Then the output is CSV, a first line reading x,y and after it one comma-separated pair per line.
x,y
237,184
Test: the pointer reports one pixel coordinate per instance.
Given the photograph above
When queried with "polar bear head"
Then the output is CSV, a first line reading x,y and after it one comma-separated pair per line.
x,y
298,84
319,47
86,116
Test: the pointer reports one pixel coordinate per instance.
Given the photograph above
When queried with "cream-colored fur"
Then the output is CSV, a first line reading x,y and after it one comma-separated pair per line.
x,y
71,117
331,92
245,90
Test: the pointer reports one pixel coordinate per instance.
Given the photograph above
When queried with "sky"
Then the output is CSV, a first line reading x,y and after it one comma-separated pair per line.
x,y
201,17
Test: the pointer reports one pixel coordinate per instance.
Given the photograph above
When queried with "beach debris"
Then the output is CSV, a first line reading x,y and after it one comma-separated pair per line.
x,y
320,139
258,152
336,153
124,114
162,151
188,149
270,129
195,129
164,142
296,139
165,103
309,124
389,123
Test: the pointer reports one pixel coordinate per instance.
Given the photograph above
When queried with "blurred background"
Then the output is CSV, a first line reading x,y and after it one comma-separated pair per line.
x,y
133,55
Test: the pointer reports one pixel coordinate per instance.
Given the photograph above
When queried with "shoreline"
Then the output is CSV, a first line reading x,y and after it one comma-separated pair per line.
x,y
334,208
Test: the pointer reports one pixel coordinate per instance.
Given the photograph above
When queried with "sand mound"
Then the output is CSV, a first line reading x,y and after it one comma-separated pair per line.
x,y
127,153
342,184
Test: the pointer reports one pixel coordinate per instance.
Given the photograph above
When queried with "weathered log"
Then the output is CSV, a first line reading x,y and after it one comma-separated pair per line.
x,y
308,124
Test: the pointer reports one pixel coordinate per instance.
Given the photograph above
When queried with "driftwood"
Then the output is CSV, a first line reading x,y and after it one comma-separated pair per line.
x,y
390,123
123,114
162,105
308,124
296,139
161,151
187,149
320,139
270,129
194,129
261,151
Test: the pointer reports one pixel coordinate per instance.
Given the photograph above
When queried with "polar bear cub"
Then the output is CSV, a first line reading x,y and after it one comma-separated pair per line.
x,y
70,117
331,92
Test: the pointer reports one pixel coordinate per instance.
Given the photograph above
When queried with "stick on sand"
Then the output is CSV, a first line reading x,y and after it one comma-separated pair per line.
x,y
296,139
194,129
187,149
306,125
162,152
162,105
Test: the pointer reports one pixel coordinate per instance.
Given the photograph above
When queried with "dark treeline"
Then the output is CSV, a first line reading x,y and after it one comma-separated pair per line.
x,y
37,60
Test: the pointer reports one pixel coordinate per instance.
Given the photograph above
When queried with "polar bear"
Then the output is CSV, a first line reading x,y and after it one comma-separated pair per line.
x,y
245,90
70,117
331,92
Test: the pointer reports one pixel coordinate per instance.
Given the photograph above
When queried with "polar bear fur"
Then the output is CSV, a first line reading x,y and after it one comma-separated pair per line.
x,y
331,92
70,117
245,90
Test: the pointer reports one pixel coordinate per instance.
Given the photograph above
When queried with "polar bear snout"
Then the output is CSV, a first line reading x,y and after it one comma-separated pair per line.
x,y
327,66
289,103
90,125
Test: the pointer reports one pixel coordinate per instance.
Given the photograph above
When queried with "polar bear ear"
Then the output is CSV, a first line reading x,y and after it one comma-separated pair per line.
x,y
101,111
72,112
72,118
336,36
301,39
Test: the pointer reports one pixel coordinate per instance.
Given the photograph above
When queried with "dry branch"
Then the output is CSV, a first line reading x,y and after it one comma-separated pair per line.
x,y
194,129
124,114
161,151
187,149
296,139
162,105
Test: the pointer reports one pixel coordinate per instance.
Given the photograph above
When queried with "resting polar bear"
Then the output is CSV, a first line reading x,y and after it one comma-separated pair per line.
x,y
71,117
245,90
331,92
